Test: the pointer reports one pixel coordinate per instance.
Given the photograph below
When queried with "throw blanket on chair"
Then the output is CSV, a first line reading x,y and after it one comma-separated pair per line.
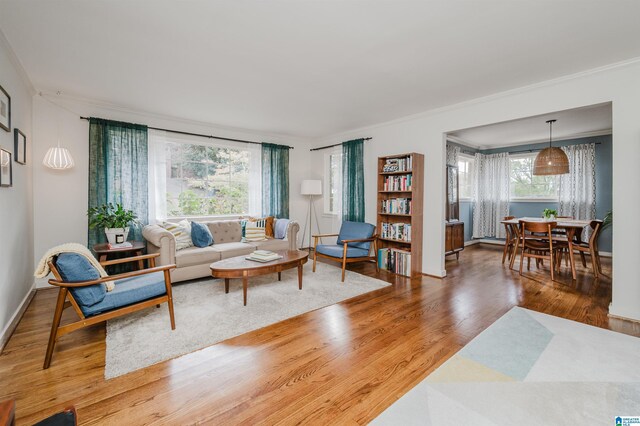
x,y
42,270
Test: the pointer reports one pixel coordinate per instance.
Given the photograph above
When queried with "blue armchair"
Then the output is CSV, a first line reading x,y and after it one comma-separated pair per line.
x,y
80,283
354,244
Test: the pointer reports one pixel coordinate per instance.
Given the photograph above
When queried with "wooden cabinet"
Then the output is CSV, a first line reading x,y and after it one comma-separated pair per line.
x,y
454,238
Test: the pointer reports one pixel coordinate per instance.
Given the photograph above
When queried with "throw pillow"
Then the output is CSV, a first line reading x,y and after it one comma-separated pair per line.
x,y
254,231
267,223
200,235
75,267
181,231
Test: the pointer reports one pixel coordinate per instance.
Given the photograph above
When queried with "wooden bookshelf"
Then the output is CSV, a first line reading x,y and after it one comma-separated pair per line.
x,y
396,198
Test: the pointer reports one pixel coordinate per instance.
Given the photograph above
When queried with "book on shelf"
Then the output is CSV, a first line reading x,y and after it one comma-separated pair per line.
x,y
124,245
397,165
396,206
397,183
394,260
396,231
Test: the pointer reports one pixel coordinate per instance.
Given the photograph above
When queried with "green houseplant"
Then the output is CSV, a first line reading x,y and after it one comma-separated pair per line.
x,y
549,214
115,220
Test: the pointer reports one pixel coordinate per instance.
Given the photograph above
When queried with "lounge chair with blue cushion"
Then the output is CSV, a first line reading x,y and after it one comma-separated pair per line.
x,y
353,245
80,282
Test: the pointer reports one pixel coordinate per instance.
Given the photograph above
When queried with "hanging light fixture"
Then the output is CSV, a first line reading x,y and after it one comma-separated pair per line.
x,y
552,160
58,158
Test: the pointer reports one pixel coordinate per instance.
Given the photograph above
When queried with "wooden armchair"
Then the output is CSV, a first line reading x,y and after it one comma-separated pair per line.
x,y
354,244
133,291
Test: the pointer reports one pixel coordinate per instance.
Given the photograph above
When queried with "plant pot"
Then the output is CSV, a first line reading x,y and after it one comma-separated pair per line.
x,y
116,235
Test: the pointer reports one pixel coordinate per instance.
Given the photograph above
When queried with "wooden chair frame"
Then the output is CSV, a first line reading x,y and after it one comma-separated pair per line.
x,y
373,239
63,294
532,246
591,248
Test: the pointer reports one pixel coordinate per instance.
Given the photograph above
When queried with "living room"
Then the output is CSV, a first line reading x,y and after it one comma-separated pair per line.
x,y
239,76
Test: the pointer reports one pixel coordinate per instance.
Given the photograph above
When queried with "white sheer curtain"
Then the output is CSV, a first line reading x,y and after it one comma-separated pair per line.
x,y
452,154
491,194
255,179
157,176
578,187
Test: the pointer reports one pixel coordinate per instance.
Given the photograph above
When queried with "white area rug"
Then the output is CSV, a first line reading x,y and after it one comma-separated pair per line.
x,y
529,368
205,315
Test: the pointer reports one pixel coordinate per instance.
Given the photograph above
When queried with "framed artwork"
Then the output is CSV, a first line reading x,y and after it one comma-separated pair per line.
x,y
5,110
6,168
20,146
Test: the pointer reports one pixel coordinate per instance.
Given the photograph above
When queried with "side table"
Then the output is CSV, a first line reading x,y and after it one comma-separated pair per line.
x,y
103,251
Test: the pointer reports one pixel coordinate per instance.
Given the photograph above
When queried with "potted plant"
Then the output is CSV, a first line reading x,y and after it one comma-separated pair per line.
x,y
114,219
549,214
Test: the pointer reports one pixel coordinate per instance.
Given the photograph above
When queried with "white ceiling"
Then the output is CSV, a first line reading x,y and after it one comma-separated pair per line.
x,y
309,68
595,119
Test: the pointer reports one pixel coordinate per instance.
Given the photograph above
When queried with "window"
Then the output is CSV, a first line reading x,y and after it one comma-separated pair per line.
x,y
189,177
524,185
465,176
333,182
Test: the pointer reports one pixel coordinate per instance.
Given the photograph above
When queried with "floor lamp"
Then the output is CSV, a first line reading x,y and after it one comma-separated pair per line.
x,y
311,188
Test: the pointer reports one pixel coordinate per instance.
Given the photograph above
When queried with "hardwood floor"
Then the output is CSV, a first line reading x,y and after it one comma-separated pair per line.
x,y
342,364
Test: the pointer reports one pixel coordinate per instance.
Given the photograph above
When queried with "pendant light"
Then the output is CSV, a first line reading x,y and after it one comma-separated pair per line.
x,y
57,157
552,160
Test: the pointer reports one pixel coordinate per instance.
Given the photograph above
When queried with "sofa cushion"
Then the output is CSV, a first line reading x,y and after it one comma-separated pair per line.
x,y
181,231
270,244
337,251
225,231
128,291
227,250
356,231
255,231
200,235
75,267
196,256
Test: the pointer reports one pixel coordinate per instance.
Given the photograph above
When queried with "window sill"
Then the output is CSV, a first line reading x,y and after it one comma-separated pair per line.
x,y
534,200
329,215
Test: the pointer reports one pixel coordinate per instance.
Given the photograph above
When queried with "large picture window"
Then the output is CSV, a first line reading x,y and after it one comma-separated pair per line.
x,y
525,186
465,176
195,178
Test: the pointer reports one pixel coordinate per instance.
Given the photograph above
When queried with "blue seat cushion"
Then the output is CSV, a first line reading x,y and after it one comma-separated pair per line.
x,y
129,291
74,267
336,251
200,235
356,231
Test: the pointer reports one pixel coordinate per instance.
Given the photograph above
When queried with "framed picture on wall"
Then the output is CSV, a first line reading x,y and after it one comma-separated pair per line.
x,y
20,146
6,168
5,110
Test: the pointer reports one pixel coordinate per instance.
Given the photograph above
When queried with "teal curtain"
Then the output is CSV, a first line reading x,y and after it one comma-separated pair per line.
x,y
275,180
118,173
353,181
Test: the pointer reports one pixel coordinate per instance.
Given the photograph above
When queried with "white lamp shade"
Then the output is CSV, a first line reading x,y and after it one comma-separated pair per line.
x,y
311,187
58,158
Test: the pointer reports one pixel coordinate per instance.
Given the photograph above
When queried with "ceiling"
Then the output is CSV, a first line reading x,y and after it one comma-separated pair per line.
x,y
309,68
590,120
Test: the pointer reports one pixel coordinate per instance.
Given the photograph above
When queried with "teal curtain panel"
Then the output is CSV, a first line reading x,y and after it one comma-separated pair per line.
x,y
118,171
275,180
353,181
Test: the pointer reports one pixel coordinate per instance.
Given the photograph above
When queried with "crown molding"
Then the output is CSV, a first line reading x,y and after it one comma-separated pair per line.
x,y
52,95
483,99
17,64
472,145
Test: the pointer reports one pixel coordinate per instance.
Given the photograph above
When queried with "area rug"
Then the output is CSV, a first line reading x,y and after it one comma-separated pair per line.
x,y
205,315
529,368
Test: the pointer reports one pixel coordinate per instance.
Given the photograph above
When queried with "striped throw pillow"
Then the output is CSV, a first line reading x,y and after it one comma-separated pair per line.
x,y
254,231
181,231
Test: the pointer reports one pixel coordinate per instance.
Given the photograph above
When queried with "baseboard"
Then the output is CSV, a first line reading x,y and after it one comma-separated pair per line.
x,y
501,243
17,316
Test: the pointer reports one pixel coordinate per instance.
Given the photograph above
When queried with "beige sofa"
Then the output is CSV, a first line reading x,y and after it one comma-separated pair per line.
x,y
193,262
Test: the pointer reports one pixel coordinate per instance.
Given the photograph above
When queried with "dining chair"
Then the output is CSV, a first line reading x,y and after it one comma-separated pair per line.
x,y
511,241
537,242
591,248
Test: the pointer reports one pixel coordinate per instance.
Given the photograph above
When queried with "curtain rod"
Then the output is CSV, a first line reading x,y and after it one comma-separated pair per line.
x,y
515,152
335,144
197,134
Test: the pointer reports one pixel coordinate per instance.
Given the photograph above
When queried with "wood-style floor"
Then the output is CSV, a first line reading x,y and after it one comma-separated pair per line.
x,y
343,364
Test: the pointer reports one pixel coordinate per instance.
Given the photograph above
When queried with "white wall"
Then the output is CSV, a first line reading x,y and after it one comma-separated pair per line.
x,y
16,219
619,83
61,197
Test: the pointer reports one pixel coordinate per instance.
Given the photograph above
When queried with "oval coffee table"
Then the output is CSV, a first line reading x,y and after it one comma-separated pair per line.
x,y
240,267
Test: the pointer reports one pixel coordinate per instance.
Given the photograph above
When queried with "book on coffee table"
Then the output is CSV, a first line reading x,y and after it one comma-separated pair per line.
x,y
263,256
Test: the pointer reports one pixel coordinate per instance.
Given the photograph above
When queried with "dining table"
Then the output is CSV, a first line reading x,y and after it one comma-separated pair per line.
x,y
573,228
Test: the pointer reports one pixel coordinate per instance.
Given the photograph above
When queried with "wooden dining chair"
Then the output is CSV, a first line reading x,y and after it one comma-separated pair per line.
x,y
511,241
591,248
537,242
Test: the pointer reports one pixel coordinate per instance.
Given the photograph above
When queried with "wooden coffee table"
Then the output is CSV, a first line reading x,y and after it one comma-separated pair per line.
x,y
240,267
